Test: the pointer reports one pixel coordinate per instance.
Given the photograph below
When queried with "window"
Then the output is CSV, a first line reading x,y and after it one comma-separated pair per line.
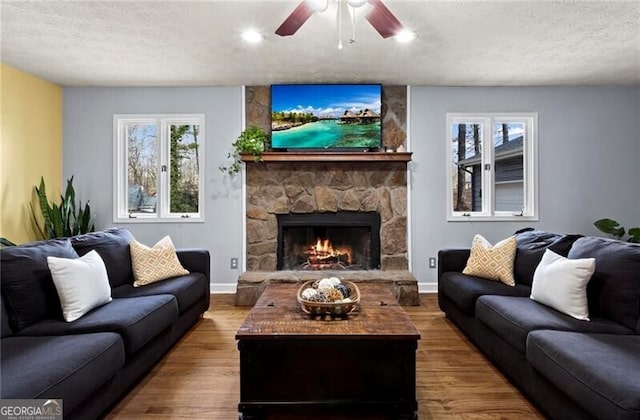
x,y
159,168
491,167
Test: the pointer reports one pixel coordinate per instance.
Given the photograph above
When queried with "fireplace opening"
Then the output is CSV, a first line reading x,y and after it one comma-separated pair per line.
x,y
328,241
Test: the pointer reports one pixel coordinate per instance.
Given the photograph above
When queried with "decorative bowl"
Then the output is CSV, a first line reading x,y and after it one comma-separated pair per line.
x,y
330,308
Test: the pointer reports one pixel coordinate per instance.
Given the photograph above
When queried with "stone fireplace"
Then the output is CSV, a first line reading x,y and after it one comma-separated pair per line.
x,y
276,189
281,189
328,187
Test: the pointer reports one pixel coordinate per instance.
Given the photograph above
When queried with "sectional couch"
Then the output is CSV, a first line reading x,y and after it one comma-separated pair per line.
x,y
92,362
572,369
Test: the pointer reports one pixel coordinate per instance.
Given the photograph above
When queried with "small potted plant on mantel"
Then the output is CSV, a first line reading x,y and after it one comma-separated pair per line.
x,y
251,141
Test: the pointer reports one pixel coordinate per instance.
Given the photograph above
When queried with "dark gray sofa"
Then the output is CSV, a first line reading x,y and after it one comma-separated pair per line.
x,y
571,369
92,362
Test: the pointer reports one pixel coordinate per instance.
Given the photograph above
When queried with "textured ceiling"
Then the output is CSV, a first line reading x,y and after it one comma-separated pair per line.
x,y
197,43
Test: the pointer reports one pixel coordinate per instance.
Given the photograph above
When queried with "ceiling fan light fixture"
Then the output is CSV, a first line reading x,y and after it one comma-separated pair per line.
x,y
378,15
318,5
357,3
405,36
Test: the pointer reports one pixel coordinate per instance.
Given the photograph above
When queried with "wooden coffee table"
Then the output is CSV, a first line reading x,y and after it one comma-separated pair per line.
x,y
360,367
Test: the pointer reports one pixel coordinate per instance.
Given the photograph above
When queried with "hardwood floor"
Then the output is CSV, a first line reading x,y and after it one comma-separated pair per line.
x,y
199,377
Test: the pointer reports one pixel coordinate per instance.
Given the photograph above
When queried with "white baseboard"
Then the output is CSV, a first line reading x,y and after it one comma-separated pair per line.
x,y
427,287
223,288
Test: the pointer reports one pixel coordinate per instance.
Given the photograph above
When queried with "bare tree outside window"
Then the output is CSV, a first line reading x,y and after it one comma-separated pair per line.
x,y
142,162
460,204
467,147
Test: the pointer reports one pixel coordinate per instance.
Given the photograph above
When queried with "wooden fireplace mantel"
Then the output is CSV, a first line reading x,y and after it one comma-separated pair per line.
x,y
330,157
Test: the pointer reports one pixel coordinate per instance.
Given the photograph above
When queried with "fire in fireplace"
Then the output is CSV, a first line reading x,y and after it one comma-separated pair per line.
x,y
329,241
322,255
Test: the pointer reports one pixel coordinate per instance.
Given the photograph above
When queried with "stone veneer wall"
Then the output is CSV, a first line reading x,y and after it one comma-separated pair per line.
x,y
393,112
306,187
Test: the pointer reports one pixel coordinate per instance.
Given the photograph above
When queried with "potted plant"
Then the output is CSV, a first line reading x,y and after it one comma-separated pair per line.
x,y
63,219
612,227
251,141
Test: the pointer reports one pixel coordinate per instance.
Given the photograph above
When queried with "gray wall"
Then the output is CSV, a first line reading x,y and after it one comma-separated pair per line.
x,y
88,154
588,154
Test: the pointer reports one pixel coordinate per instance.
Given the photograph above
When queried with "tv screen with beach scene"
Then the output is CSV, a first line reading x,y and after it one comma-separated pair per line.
x,y
326,117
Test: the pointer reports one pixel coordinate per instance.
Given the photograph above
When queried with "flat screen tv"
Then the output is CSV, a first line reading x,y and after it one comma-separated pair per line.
x,y
336,117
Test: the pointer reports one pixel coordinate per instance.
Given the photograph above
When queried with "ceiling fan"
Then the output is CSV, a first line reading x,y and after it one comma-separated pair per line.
x,y
380,17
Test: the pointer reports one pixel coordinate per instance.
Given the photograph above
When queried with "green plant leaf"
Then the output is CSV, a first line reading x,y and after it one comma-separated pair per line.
x,y
66,215
44,205
57,225
70,193
251,141
5,242
35,221
84,219
634,235
610,226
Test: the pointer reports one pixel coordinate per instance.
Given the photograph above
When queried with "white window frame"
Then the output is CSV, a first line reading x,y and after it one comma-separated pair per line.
x,y
530,170
120,151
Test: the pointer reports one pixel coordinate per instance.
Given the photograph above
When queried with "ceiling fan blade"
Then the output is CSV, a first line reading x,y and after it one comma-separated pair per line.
x,y
383,20
295,20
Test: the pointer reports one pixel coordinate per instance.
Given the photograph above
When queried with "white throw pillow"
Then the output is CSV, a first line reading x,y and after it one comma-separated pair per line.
x,y
82,284
561,283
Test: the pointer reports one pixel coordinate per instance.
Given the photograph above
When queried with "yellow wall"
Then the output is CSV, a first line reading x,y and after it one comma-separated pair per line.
x,y
30,147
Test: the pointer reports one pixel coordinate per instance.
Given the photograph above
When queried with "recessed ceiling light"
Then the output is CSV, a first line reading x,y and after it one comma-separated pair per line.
x,y
318,5
405,35
252,36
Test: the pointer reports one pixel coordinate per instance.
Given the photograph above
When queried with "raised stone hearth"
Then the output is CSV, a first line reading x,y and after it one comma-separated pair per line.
x,y
251,284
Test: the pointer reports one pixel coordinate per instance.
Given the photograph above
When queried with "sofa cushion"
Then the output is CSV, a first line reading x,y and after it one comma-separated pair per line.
x,y
137,320
4,320
561,283
614,289
186,289
463,290
513,318
81,283
600,371
157,263
494,262
195,261
530,247
27,286
113,247
69,367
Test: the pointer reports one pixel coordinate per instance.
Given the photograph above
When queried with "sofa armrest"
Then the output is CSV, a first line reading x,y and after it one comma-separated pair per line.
x,y
196,260
452,260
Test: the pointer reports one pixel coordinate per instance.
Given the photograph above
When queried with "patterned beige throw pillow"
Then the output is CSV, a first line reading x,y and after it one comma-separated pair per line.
x,y
151,265
492,262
